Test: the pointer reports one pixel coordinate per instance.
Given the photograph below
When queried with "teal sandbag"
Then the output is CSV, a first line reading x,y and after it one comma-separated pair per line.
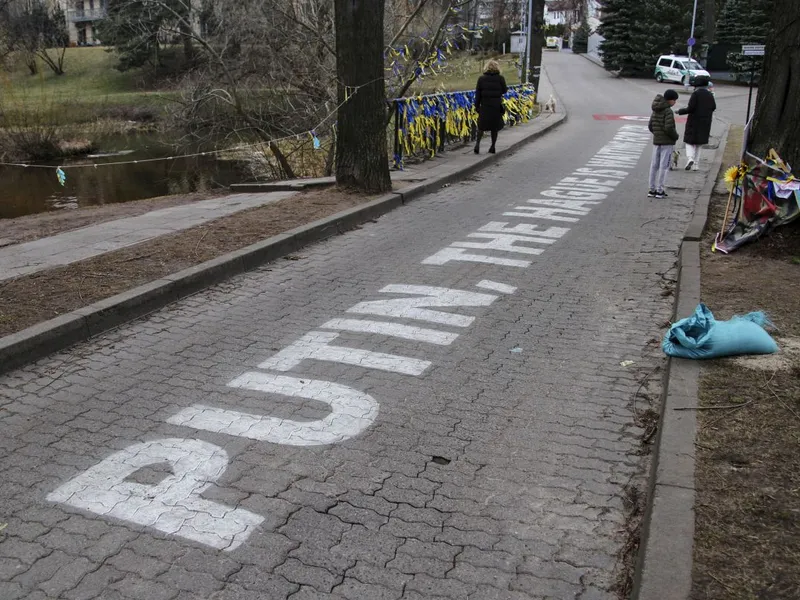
x,y
702,336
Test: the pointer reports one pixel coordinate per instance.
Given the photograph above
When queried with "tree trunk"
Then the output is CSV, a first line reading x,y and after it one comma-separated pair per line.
x,y
537,43
55,65
710,21
285,168
777,115
474,25
362,158
30,62
188,45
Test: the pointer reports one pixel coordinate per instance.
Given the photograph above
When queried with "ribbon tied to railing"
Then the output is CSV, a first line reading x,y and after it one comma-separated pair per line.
x,y
425,124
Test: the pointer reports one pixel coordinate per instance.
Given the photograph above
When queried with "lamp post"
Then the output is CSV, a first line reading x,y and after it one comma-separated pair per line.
x,y
530,42
527,18
691,36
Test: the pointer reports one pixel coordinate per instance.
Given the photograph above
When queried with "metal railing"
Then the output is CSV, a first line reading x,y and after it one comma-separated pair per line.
x,y
78,15
427,124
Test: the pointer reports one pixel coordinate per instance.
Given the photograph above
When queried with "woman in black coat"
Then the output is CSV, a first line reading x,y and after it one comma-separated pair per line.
x,y
698,126
489,103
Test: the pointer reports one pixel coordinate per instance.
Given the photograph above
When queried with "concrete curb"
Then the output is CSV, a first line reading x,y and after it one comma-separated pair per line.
x,y
664,562
593,59
65,330
295,185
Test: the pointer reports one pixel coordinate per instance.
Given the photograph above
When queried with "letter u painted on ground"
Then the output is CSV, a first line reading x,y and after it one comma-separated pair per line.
x,y
352,412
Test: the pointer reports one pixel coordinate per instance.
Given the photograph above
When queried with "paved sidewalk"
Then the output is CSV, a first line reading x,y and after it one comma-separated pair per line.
x,y
72,246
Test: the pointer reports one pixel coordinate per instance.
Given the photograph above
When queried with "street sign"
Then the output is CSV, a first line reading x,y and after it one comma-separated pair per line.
x,y
753,50
691,42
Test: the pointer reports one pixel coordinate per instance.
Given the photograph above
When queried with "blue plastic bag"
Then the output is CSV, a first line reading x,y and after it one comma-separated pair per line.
x,y
702,336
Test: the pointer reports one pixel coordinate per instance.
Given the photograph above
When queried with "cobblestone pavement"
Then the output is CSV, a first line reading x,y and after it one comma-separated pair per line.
x,y
433,406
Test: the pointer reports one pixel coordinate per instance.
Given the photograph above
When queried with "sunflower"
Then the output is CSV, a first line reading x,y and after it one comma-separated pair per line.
x,y
733,175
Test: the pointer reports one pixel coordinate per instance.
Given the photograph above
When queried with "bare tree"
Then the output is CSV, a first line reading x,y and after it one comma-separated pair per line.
x,y
247,85
536,42
34,30
432,17
506,13
267,69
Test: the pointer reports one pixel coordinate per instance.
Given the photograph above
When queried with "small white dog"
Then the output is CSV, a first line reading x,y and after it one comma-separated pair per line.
x,y
550,105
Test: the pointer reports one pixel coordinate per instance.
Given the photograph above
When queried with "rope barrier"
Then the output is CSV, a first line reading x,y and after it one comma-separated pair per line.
x,y
349,92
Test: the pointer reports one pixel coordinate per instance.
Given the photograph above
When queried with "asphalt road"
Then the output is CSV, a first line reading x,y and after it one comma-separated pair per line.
x,y
437,405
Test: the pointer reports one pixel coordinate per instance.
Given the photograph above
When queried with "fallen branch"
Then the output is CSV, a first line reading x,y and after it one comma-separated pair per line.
x,y
735,406
722,407
138,257
786,406
205,233
722,583
639,389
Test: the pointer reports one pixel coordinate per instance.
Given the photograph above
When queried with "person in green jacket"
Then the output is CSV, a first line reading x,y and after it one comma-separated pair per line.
x,y
662,126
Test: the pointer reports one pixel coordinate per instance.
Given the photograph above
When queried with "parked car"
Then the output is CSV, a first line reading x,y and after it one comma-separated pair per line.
x,y
677,68
553,43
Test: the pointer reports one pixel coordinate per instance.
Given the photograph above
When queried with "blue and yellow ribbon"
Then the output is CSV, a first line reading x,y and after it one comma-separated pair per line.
x,y
426,122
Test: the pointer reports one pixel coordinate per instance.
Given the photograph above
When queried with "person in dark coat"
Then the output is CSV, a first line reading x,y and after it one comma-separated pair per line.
x,y
698,126
489,103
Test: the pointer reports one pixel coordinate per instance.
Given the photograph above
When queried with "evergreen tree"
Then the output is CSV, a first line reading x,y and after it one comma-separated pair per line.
x,y
624,48
139,30
636,32
670,24
580,41
744,22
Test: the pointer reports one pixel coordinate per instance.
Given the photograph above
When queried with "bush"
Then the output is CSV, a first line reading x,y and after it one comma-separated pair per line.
x,y
580,41
42,134
124,112
555,30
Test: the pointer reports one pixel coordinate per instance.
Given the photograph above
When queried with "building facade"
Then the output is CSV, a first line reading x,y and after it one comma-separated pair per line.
x,y
81,17
570,12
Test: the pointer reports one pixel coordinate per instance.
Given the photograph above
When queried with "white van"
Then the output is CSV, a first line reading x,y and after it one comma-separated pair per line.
x,y
677,68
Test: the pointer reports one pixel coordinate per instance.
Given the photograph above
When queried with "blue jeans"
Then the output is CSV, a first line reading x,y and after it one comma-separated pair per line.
x,y
659,167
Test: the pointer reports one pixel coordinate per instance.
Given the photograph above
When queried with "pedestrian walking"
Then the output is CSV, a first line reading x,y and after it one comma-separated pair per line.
x,y
698,126
662,126
489,103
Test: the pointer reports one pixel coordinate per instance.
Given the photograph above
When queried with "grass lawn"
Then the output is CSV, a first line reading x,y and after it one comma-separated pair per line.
x,y
461,73
91,88
90,83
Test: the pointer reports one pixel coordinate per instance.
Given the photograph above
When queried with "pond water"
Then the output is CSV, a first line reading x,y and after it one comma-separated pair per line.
x,y
28,191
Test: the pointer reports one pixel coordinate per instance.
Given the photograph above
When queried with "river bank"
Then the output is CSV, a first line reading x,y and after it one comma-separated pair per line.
x,y
118,138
